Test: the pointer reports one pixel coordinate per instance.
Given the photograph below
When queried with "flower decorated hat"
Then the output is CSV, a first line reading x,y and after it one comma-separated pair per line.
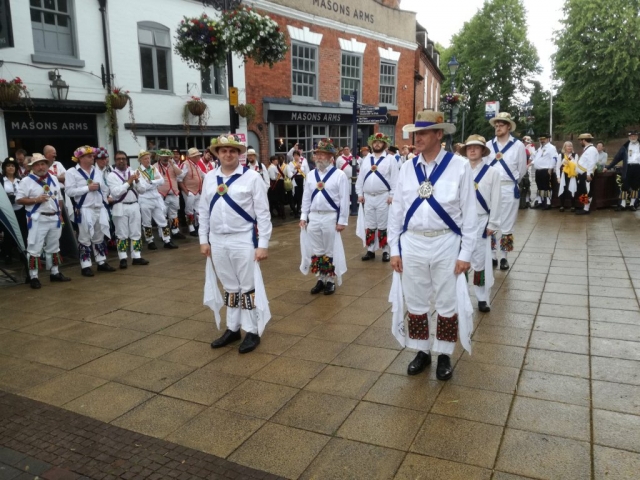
x,y
326,145
503,117
379,137
37,157
475,140
164,152
430,120
101,152
227,140
82,151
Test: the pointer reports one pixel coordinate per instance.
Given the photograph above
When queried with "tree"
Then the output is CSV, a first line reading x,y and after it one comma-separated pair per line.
x,y
496,62
598,63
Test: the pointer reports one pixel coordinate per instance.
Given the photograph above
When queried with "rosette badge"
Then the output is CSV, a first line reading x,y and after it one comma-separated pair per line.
x,y
374,168
499,156
222,189
320,185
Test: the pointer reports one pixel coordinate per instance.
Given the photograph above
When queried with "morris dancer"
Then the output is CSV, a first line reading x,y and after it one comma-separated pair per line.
x,y
629,155
297,171
276,188
586,166
510,158
152,206
206,163
254,164
83,185
375,186
40,193
545,161
170,190
124,186
487,185
191,187
234,203
432,232
325,208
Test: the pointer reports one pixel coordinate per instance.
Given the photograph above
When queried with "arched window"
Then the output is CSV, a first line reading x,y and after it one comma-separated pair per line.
x,y
155,56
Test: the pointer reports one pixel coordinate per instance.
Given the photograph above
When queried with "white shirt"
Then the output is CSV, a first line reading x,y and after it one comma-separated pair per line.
x,y
12,189
77,186
248,193
119,186
374,185
274,173
546,157
292,171
489,188
588,161
260,169
634,153
57,169
338,189
454,191
603,158
515,158
344,164
151,183
29,188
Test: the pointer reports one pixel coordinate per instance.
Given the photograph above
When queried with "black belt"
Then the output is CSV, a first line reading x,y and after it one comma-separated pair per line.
x,y
129,203
48,214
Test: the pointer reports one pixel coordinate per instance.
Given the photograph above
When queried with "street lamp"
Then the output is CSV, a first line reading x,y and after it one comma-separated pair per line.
x,y
453,69
59,88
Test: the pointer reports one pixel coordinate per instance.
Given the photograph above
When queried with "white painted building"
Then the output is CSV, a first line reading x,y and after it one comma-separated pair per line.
x,y
67,35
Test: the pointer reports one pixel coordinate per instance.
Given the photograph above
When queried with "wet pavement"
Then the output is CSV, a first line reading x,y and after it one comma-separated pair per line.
x,y
552,389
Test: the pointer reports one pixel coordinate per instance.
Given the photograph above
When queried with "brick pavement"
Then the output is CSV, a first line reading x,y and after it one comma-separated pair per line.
x,y
551,391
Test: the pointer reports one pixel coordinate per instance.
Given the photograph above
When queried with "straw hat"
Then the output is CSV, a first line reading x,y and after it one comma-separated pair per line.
x,y
81,152
430,120
503,117
193,152
585,136
37,157
475,140
227,140
251,151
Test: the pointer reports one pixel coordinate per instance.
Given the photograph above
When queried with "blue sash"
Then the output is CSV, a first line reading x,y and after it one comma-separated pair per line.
x,y
80,202
37,205
516,190
124,181
223,193
377,164
433,203
324,192
481,200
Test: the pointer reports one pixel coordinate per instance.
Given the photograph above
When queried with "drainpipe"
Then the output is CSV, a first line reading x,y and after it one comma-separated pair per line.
x,y
103,14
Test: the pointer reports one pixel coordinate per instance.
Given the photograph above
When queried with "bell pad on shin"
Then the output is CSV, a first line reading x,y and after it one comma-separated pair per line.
x,y
418,326
447,330
231,299
249,300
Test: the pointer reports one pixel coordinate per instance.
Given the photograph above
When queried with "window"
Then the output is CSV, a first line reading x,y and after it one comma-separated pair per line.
x,y
304,76
52,26
351,74
388,83
307,137
390,131
214,81
155,56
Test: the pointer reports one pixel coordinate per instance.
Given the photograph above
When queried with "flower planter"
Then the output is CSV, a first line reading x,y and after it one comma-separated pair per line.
x,y
118,102
9,94
197,108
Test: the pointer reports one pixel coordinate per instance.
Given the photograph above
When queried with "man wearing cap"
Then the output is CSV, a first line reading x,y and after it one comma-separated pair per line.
x,y
432,233
544,161
83,184
191,187
40,193
629,155
254,164
152,207
375,186
585,167
297,171
235,233
124,188
509,157
170,190
487,185
325,213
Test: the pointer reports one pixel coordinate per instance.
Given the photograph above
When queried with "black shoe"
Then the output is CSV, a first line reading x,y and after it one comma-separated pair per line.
x,y
139,261
152,246
178,236
170,245
618,208
329,288
632,208
573,209
226,338
250,342
193,234
105,267
418,364
494,261
547,207
59,277
123,264
582,212
483,307
87,272
35,283
444,370
504,264
369,256
561,209
536,205
386,257
318,288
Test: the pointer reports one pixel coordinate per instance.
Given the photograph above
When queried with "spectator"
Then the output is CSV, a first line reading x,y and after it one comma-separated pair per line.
x,y
603,158
10,181
21,158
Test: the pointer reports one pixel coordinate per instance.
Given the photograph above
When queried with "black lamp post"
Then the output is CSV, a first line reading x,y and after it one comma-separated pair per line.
x,y
453,68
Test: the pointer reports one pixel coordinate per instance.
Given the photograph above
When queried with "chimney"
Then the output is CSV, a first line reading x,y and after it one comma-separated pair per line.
x,y
390,3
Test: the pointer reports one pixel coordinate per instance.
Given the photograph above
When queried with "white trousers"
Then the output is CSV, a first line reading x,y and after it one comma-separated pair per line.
x,y
322,234
478,257
191,202
128,228
44,234
376,215
233,258
428,265
172,202
509,206
91,234
153,209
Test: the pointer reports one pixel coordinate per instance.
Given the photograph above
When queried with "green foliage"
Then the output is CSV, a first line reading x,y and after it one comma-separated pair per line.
x,y
598,63
496,62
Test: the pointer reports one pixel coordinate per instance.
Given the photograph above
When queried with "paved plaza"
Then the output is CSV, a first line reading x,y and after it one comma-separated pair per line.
x,y
551,391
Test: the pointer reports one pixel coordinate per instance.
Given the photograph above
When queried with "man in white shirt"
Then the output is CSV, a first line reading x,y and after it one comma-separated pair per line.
x,y
297,171
55,167
509,157
276,192
375,186
124,188
235,233
254,164
40,193
432,233
84,187
344,162
629,155
586,166
487,185
325,209
544,161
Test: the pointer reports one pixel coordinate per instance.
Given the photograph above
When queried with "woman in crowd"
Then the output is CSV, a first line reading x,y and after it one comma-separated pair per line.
x,y
566,174
10,181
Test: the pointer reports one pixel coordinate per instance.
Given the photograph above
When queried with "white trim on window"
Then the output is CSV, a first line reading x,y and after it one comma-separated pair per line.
x,y
389,54
352,45
304,35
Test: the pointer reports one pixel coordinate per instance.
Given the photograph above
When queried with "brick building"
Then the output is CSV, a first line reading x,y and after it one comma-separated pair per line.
x,y
336,47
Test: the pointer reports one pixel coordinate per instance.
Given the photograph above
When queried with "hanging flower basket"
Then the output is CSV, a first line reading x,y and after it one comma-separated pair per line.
x,y
11,91
118,98
196,106
450,100
247,111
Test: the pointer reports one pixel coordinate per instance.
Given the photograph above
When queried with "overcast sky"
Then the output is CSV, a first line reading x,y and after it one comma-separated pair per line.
x,y
443,20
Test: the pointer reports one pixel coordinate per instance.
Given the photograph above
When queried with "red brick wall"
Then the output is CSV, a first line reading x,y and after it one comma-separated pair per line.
x,y
262,81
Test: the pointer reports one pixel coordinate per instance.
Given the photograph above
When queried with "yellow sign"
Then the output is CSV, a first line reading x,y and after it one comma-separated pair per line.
x,y
233,96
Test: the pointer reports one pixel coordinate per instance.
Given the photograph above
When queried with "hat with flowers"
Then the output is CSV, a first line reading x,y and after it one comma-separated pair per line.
x,y
227,140
326,145
164,152
82,151
101,152
379,137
